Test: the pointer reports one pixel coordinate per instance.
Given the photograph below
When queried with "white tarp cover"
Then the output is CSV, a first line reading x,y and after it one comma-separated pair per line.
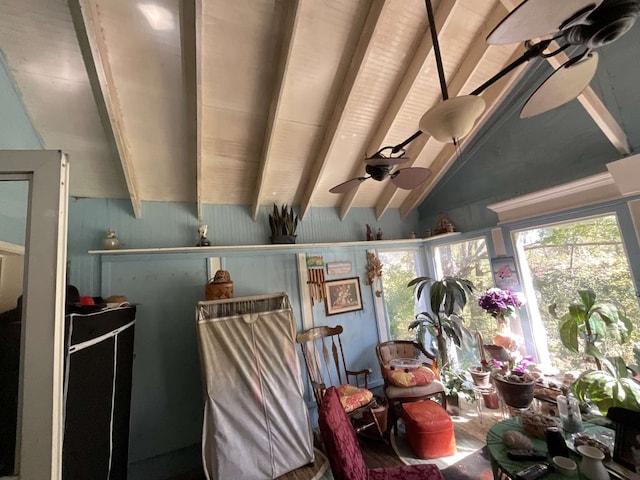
x,y
256,424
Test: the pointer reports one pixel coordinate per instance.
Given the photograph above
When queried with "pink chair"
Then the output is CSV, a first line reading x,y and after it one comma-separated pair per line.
x,y
344,453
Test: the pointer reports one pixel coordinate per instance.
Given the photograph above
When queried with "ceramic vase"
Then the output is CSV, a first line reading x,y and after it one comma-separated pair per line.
x,y
110,241
591,466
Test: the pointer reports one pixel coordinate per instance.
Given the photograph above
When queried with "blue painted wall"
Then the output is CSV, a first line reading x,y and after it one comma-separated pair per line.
x,y
166,411
16,132
14,197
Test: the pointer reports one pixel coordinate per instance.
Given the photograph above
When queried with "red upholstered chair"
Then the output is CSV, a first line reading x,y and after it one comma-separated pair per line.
x,y
344,453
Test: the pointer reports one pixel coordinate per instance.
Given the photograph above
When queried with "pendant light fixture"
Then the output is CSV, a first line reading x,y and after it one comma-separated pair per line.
x,y
453,118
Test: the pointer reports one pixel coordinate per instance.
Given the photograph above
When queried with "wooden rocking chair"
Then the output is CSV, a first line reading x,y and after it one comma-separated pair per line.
x,y
326,366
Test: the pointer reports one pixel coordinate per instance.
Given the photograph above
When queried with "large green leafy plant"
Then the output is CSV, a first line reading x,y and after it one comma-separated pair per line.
x,y
588,324
447,298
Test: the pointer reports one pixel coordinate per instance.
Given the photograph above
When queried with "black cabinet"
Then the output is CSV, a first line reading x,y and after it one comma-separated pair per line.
x,y
97,393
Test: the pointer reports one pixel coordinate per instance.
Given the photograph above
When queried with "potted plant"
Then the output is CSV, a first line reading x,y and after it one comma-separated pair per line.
x,y
480,373
610,387
283,223
456,386
448,297
586,325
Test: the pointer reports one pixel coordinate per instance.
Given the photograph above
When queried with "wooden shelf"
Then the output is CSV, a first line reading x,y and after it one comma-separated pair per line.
x,y
270,247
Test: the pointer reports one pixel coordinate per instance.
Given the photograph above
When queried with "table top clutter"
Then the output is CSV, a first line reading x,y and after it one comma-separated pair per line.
x,y
498,450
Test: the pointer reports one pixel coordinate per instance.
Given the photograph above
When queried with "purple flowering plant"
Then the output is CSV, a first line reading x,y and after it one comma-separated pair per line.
x,y
499,303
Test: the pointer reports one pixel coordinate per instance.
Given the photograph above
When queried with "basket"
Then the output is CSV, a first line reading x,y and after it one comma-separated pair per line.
x,y
219,291
535,424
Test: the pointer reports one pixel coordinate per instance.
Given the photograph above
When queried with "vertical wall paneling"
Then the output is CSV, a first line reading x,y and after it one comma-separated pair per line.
x,y
498,242
305,297
213,265
166,399
379,309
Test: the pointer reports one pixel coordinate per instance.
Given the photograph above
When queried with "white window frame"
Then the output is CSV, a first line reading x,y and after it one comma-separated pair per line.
x,y
40,415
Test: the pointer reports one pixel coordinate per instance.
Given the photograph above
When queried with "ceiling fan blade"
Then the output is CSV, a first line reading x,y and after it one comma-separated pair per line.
x,y
537,18
562,86
410,178
348,185
388,161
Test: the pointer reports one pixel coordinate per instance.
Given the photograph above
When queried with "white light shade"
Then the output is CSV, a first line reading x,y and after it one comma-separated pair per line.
x,y
453,118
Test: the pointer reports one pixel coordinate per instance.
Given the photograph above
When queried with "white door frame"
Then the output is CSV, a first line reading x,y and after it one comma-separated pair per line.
x,y
40,416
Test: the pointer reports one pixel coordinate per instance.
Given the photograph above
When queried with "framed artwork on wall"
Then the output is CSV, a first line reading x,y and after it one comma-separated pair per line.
x,y
505,273
342,296
337,268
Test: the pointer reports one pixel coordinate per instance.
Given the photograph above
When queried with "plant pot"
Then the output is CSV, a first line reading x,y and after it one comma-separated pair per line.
x,y
279,239
516,395
491,400
453,404
481,378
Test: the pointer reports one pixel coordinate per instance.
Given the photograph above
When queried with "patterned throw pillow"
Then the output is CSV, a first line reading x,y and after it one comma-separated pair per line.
x,y
409,377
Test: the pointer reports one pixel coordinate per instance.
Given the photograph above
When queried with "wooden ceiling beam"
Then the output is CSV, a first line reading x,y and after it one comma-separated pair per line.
x,y
191,48
459,82
359,58
596,108
588,99
86,20
442,16
292,17
493,96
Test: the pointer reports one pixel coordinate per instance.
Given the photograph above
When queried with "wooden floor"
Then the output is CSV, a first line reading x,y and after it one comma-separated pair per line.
x,y
378,453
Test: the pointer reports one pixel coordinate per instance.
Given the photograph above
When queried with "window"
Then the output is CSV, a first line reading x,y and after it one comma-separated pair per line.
x,y
556,261
398,269
468,259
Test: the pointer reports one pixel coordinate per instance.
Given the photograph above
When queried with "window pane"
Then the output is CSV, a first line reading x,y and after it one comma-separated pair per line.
x,y
563,259
398,269
468,259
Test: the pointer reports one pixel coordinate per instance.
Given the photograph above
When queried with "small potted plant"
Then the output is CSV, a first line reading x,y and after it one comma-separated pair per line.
x,y
283,223
456,386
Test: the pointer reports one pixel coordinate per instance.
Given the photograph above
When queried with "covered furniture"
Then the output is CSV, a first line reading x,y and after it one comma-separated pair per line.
x,y
97,393
256,423
396,395
343,451
429,429
324,357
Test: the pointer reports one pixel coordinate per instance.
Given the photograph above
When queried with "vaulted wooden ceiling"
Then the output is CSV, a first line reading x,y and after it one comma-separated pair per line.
x,y
251,102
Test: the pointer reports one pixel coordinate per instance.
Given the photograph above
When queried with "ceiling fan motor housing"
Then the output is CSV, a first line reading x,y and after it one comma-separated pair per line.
x,y
378,172
605,24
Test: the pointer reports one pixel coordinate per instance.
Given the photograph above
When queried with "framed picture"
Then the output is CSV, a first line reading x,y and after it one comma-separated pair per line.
x,y
505,273
342,296
315,261
337,268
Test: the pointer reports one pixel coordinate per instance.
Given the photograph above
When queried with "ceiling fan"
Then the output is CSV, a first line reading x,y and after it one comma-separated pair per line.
x,y
380,166
582,24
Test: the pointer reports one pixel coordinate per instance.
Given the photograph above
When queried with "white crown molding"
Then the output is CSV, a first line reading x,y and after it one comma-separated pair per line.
x,y
626,174
586,191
